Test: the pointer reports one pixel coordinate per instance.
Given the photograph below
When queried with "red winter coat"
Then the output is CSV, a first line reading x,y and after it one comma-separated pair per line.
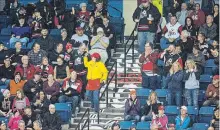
x,y
30,71
78,83
49,69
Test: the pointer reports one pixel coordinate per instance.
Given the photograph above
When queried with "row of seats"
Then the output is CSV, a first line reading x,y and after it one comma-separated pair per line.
x,y
125,125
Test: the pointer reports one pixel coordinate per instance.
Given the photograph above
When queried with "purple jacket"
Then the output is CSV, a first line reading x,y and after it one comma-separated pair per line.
x,y
132,107
21,31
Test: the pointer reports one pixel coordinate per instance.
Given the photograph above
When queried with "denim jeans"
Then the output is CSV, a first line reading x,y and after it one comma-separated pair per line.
x,y
143,38
164,42
74,100
93,95
23,42
132,117
192,96
146,118
164,82
174,95
150,82
210,102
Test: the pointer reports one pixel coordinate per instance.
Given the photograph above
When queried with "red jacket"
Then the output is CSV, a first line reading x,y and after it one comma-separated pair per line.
x,y
78,83
30,71
48,69
213,89
200,15
149,62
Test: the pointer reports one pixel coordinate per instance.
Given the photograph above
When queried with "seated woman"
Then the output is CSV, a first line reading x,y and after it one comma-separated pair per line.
x,y
20,101
61,71
159,121
52,89
202,44
150,107
57,52
183,120
132,107
6,103
215,120
190,27
213,50
14,121
41,103
99,45
44,68
174,81
71,91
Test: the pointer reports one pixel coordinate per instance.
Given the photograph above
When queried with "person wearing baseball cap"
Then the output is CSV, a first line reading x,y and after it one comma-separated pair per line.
x,y
212,92
147,17
160,121
183,120
79,37
132,107
96,75
99,44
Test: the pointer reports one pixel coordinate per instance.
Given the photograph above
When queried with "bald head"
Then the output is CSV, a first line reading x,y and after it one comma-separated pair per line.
x,y
24,60
52,109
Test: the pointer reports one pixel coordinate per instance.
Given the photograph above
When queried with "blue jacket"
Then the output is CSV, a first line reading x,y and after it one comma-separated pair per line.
x,y
182,125
174,81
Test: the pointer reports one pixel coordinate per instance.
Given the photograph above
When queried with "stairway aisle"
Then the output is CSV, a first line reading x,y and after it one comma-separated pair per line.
x,y
115,110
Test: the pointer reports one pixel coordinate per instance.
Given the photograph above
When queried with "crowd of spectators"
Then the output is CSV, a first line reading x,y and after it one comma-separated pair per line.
x,y
71,68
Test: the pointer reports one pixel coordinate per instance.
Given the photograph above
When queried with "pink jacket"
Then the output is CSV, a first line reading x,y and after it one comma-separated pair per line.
x,y
13,122
161,121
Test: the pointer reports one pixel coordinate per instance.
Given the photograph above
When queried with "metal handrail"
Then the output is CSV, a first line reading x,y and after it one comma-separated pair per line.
x,y
133,38
108,83
87,120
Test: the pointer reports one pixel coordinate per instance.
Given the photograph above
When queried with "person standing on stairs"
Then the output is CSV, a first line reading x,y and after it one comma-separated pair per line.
x,y
148,61
96,75
147,16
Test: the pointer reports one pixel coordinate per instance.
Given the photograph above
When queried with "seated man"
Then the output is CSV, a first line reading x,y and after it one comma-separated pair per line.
x,y
6,72
212,92
99,44
79,38
132,107
36,55
29,117
71,91
183,120
20,33
57,52
51,120
17,53
209,29
171,33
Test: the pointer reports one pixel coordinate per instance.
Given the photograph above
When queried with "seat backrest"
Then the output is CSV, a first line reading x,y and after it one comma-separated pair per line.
x,y
143,92
205,78
172,110
6,31
125,125
206,111
210,63
161,92
144,125
55,32
200,126
63,106
192,110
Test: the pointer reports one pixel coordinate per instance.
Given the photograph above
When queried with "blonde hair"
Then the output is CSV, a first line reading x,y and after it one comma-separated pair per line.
x,y
190,62
149,97
172,67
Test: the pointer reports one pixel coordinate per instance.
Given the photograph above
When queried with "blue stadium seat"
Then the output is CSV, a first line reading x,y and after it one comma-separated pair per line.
x,y
193,112
4,21
171,112
142,95
125,125
162,95
201,97
119,27
209,65
64,110
143,125
200,126
205,114
205,80
4,119
55,33
160,63
6,31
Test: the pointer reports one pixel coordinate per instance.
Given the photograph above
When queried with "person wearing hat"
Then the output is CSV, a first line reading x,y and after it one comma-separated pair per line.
x,y
183,120
5,104
99,44
79,37
132,107
6,72
99,12
38,24
83,15
148,61
160,121
212,92
147,17
16,84
198,57
33,87
96,75
20,33
69,52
